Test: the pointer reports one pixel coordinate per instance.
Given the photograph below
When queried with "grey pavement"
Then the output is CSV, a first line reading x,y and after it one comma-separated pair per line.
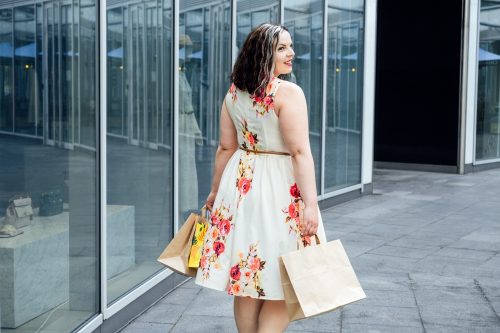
x,y
425,246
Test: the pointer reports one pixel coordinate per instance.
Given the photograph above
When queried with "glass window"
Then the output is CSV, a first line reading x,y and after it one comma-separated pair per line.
x,y
488,99
252,13
204,70
49,236
139,151
344,94
24,69
6,72
304,20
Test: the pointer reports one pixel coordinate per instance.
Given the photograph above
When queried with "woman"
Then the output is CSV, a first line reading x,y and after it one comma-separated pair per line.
x,y
263,177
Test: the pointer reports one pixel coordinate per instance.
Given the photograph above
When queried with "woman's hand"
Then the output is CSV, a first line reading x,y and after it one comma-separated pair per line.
x,y
210,200
309,225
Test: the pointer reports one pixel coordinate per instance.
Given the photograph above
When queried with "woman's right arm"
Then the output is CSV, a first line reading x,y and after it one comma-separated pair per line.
x,y
228,144
292,109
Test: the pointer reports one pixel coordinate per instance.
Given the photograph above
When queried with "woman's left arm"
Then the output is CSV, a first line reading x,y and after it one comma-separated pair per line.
x,y
228,144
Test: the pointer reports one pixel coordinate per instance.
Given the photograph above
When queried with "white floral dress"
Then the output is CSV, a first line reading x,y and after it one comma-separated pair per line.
x,y
255,214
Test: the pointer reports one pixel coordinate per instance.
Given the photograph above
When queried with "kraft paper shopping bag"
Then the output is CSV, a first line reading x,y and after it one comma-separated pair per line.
x,y
318,279
176,254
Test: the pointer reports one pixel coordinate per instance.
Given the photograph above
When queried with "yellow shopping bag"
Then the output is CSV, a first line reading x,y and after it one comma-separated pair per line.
x,y
197,241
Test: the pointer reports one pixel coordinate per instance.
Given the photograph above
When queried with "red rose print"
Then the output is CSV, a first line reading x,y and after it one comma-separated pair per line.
x,y
235,272
224,227
292,212
294,191
219,248
244,185
254,264
203,262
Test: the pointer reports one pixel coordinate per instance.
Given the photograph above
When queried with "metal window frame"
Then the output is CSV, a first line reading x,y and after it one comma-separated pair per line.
x,y
323,98
475,78
368,108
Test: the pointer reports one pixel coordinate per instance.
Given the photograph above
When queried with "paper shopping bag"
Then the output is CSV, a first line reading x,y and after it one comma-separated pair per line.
x,y
321,278
197,241
176,254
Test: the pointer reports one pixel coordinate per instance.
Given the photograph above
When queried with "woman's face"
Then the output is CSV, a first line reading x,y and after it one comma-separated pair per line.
x,y
283,54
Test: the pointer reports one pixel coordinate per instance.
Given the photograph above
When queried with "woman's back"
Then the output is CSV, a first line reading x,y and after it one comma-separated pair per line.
x,y
255,119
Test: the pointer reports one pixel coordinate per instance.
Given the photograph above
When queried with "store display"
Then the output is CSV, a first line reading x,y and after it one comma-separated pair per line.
x,y
51,203
19,212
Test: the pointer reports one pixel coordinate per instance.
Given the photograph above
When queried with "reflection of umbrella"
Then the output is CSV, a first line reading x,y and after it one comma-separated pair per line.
x,y
352,56
305,56
26,51
6,50
196,55
487,56
116,53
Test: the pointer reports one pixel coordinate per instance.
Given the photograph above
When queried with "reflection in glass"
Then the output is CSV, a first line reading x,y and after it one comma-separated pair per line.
x,y
49,262
6,76
344,94
139,150
304,20
204,69
488,99
252,13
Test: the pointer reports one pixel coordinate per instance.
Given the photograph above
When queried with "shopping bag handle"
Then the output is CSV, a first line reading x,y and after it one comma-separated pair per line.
x,y
204,210
316,238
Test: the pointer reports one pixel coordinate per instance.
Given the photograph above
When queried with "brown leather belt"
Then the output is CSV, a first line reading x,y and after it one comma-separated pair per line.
x,y
264,151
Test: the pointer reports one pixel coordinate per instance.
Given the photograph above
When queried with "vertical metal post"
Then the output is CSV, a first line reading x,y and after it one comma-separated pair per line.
x,y
175,72
234,32
102,84
324,92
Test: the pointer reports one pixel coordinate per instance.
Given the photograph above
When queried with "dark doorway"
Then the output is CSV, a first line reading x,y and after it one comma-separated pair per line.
x,y
417,102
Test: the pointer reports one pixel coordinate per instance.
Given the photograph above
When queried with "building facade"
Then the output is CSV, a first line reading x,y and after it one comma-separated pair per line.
x,y
109,115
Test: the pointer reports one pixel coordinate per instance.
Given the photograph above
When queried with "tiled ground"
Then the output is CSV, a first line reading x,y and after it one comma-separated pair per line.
x,y
425,246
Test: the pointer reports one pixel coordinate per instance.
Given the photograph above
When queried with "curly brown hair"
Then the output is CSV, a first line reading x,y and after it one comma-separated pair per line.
x,y
254,66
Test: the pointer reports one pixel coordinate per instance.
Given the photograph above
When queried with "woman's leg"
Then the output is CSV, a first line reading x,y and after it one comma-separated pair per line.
x,y
246,313
273,317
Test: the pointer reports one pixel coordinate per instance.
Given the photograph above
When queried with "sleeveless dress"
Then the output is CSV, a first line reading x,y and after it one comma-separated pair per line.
x,y
255,217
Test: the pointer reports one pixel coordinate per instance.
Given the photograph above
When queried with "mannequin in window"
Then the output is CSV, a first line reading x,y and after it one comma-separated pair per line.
x,y
189,134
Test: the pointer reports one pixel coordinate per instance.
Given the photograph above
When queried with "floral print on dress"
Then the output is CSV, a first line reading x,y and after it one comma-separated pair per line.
x,y
293,214
232,91
250,138
215,239
244,276
263,103
245,175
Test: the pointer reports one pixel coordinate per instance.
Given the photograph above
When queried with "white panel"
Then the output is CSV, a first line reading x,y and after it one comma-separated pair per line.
x,y
369,91
470,114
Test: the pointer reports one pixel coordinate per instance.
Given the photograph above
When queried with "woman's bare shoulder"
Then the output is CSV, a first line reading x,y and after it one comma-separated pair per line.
x,y
288,94
288,91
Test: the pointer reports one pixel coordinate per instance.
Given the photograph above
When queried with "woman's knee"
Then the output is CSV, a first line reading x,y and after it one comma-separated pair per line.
x,y
273,317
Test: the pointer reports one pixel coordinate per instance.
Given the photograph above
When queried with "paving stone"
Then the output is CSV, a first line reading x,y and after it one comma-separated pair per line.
x,y
360,313
141,327
328,322
373,328
424,244
162,314
211,302
462,326
479,256
204,324
181,296
404,252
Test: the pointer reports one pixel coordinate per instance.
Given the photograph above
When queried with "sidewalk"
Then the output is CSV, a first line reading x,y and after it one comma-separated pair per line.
x,y
425,246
